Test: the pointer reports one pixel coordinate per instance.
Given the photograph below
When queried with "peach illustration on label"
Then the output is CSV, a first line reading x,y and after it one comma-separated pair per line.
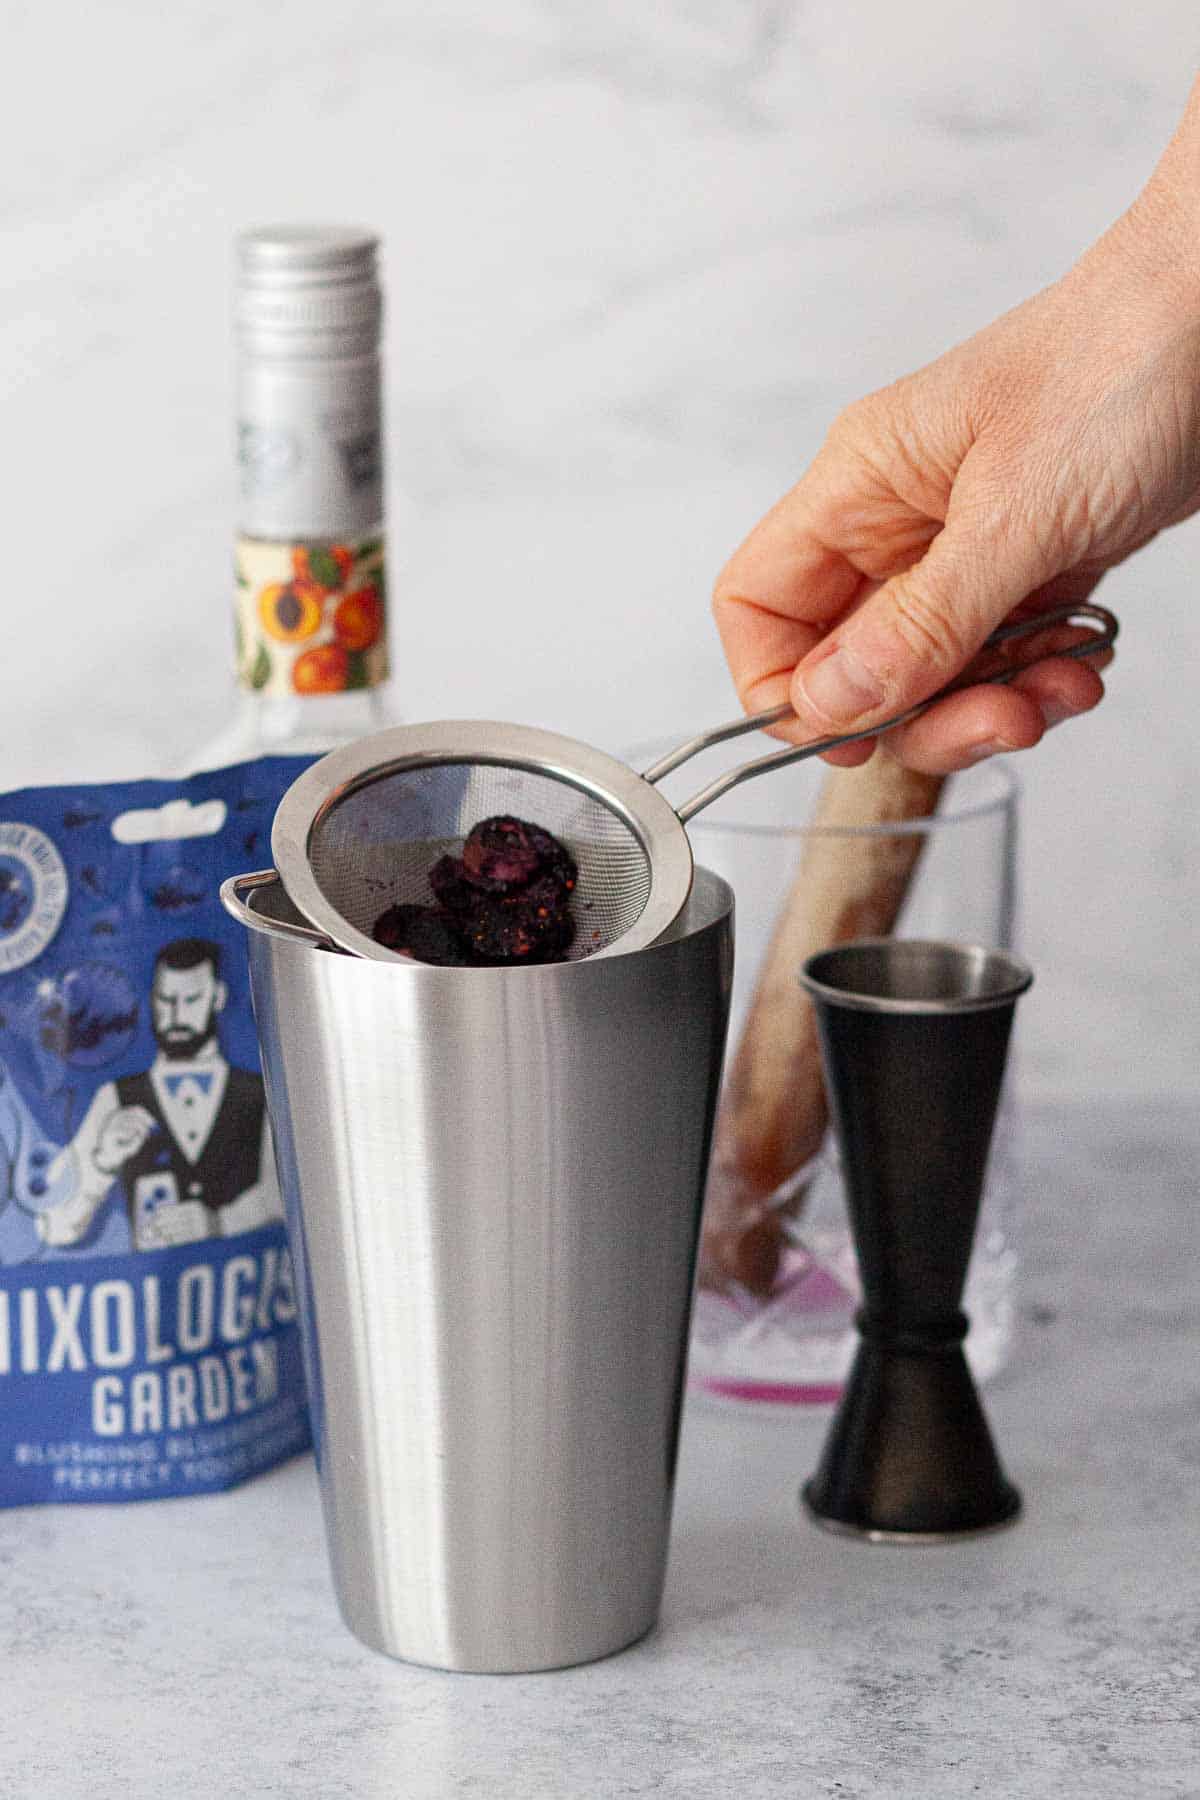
x,y
324,669
289,611
358,620
311,618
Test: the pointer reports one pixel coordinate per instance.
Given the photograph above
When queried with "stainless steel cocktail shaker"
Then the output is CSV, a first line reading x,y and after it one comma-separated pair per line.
x,y
493,1180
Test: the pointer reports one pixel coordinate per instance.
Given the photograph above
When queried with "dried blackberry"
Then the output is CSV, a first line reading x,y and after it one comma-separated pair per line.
x,y
554,860
450,886
547,893
516,934
499,854
505,900
502,854
424,933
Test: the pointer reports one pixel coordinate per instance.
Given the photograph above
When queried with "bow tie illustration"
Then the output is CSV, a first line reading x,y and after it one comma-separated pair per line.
x,y
173,1083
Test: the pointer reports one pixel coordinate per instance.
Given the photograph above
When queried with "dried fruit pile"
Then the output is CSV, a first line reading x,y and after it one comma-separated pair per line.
x,y
505,900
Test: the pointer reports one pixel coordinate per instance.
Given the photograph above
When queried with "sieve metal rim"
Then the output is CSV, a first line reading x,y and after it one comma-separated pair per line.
x,y
650,817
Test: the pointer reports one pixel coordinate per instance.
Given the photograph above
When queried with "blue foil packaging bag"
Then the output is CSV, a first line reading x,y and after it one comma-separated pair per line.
x,y
148,1336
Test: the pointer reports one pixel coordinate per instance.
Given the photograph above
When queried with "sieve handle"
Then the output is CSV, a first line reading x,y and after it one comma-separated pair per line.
x,y
234,904
1102,628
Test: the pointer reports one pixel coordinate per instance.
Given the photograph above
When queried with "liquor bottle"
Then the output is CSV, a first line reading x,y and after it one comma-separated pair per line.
x,y
309,570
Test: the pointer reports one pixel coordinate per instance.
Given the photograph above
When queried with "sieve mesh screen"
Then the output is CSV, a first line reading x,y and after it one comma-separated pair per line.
x,y
373,846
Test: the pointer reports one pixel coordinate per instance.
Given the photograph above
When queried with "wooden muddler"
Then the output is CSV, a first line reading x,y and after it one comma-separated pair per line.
x,y
773,1111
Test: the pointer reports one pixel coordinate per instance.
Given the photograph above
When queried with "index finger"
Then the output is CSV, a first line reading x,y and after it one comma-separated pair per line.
x,y
775,596
772,603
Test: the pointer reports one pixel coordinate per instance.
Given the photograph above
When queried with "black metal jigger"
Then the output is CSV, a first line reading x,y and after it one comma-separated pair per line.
x,y
914,1038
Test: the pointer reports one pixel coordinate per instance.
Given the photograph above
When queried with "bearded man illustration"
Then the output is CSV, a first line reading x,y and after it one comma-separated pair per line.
x,y
187,1138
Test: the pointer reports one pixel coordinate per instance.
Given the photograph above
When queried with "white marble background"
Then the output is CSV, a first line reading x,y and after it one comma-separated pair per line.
x,y
637,257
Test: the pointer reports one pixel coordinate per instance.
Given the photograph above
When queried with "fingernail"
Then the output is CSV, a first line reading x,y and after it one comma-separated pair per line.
x,y
839,689
1054,712
990,747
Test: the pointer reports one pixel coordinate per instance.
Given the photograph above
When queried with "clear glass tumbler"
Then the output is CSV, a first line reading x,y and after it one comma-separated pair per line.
x,y
793,1345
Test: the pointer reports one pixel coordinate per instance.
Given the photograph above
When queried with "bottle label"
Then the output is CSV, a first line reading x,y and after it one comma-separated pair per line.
x,y
311,616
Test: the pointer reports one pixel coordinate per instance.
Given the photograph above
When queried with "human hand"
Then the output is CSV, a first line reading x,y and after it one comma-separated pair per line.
x,y
1007,475
66,1222
122,1136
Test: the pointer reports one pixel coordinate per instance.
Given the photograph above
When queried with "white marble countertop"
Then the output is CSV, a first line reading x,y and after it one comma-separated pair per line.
x,y
193,1647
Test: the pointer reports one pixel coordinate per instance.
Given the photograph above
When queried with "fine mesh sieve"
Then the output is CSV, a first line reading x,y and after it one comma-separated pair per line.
x,y
374,848
359,831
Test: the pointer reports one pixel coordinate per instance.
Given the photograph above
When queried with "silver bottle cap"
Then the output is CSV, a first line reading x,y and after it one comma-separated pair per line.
x,y
308,317
308,290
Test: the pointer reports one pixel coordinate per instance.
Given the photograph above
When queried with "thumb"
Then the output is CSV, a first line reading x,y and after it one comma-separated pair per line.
x,y
918,631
